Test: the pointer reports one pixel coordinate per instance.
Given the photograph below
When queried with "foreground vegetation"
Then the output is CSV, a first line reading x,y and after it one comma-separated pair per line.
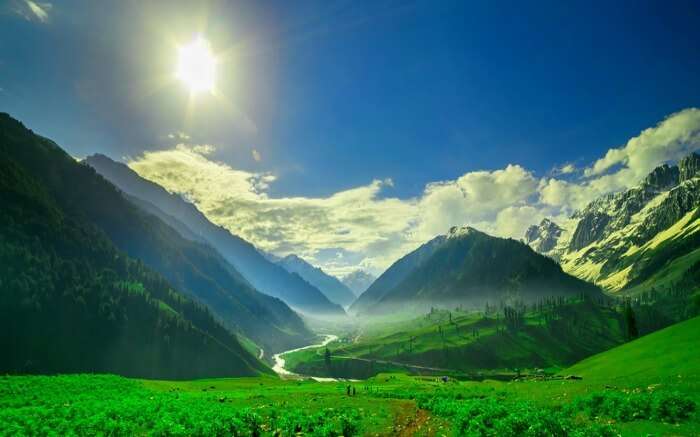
x,y
648,386
389,404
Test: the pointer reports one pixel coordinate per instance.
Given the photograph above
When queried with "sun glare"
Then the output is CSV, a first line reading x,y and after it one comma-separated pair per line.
x,y
196,66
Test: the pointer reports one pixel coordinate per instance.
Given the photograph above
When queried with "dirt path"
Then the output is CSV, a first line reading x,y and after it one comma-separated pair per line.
x,y
411,421
396,363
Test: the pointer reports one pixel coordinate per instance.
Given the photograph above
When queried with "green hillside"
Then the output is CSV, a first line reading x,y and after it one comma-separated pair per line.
x,y
662,355
71,301
191,267
554,334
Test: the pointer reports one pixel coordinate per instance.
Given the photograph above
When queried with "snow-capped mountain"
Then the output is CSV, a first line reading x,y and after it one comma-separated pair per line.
x,y
358,281
623,239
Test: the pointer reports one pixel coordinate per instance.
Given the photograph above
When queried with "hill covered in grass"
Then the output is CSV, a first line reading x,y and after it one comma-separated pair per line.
x,y
670,353
556,333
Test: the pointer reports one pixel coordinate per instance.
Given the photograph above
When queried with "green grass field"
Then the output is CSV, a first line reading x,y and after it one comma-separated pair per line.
x,y
650,386
467,342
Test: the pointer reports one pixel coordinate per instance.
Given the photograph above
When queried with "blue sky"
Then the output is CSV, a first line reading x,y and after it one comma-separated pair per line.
x,y
333,96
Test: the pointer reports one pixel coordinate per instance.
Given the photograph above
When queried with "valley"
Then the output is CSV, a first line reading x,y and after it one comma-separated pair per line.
x,y
648,386
328,274
127,312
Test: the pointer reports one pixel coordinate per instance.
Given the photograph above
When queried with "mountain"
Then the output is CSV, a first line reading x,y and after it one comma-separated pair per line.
x,y
358,281
468,267
543,238
264,275
191,267
71,300
329,285
635,239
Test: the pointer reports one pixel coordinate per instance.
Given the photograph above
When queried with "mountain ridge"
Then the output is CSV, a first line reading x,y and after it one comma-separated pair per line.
x,y
607,241
469,267
330,286
263,274
358,281
74,302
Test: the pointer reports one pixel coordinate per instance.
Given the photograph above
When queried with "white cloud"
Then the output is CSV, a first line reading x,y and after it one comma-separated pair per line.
x,y
256,155
33,11
475,197
357,228
564,169
180,136
670,140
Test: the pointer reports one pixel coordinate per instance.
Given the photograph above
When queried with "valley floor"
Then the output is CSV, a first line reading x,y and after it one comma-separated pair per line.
x,y
388,404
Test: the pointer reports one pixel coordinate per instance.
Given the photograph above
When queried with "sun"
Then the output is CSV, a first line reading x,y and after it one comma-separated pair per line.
x,y
196,66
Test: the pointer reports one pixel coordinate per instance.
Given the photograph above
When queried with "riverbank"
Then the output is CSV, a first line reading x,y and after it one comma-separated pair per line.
x,y
279,362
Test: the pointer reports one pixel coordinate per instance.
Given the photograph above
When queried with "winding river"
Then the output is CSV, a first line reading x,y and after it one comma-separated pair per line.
x,y
279,362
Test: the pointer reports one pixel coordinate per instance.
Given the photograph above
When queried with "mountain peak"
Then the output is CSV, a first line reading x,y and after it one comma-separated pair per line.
x,y
358,281
662,177
461,231
329,285
543,237
689,167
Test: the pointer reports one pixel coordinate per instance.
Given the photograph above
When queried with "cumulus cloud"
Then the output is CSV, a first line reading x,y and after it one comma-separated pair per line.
x,y
358,228
32,11
355,220
670,140
564,169
476,197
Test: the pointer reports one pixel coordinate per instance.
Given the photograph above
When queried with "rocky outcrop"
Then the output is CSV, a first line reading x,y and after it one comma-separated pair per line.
x,y
615,227
689,167
662,178
543,238
590,228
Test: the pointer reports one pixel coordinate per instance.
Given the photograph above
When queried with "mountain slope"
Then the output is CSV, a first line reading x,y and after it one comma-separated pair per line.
x,y
191,267
263,274
620,240
676,345
358,281
71,301
393,276
329,285
468,267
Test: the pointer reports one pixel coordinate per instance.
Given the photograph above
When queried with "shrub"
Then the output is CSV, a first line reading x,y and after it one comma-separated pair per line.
x,y
626,407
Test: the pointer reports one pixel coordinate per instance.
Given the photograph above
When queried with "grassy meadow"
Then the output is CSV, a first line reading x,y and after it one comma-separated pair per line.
x,y
650,386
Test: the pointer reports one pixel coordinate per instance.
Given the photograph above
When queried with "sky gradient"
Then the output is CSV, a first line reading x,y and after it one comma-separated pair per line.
x,y
349,132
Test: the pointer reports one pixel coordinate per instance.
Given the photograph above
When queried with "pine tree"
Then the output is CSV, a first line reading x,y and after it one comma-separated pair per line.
x,y
327,358
631,322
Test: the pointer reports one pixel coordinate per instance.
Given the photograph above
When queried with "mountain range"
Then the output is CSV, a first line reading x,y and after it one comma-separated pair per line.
x,y
633,240
262,273
89,281
358,281
469,267
330,286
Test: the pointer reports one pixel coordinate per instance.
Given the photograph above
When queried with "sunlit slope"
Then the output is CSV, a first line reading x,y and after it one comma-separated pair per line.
x,y
469,342
664,354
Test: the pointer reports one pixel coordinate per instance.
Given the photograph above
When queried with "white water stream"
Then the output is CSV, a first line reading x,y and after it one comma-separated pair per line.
x,y
284,373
